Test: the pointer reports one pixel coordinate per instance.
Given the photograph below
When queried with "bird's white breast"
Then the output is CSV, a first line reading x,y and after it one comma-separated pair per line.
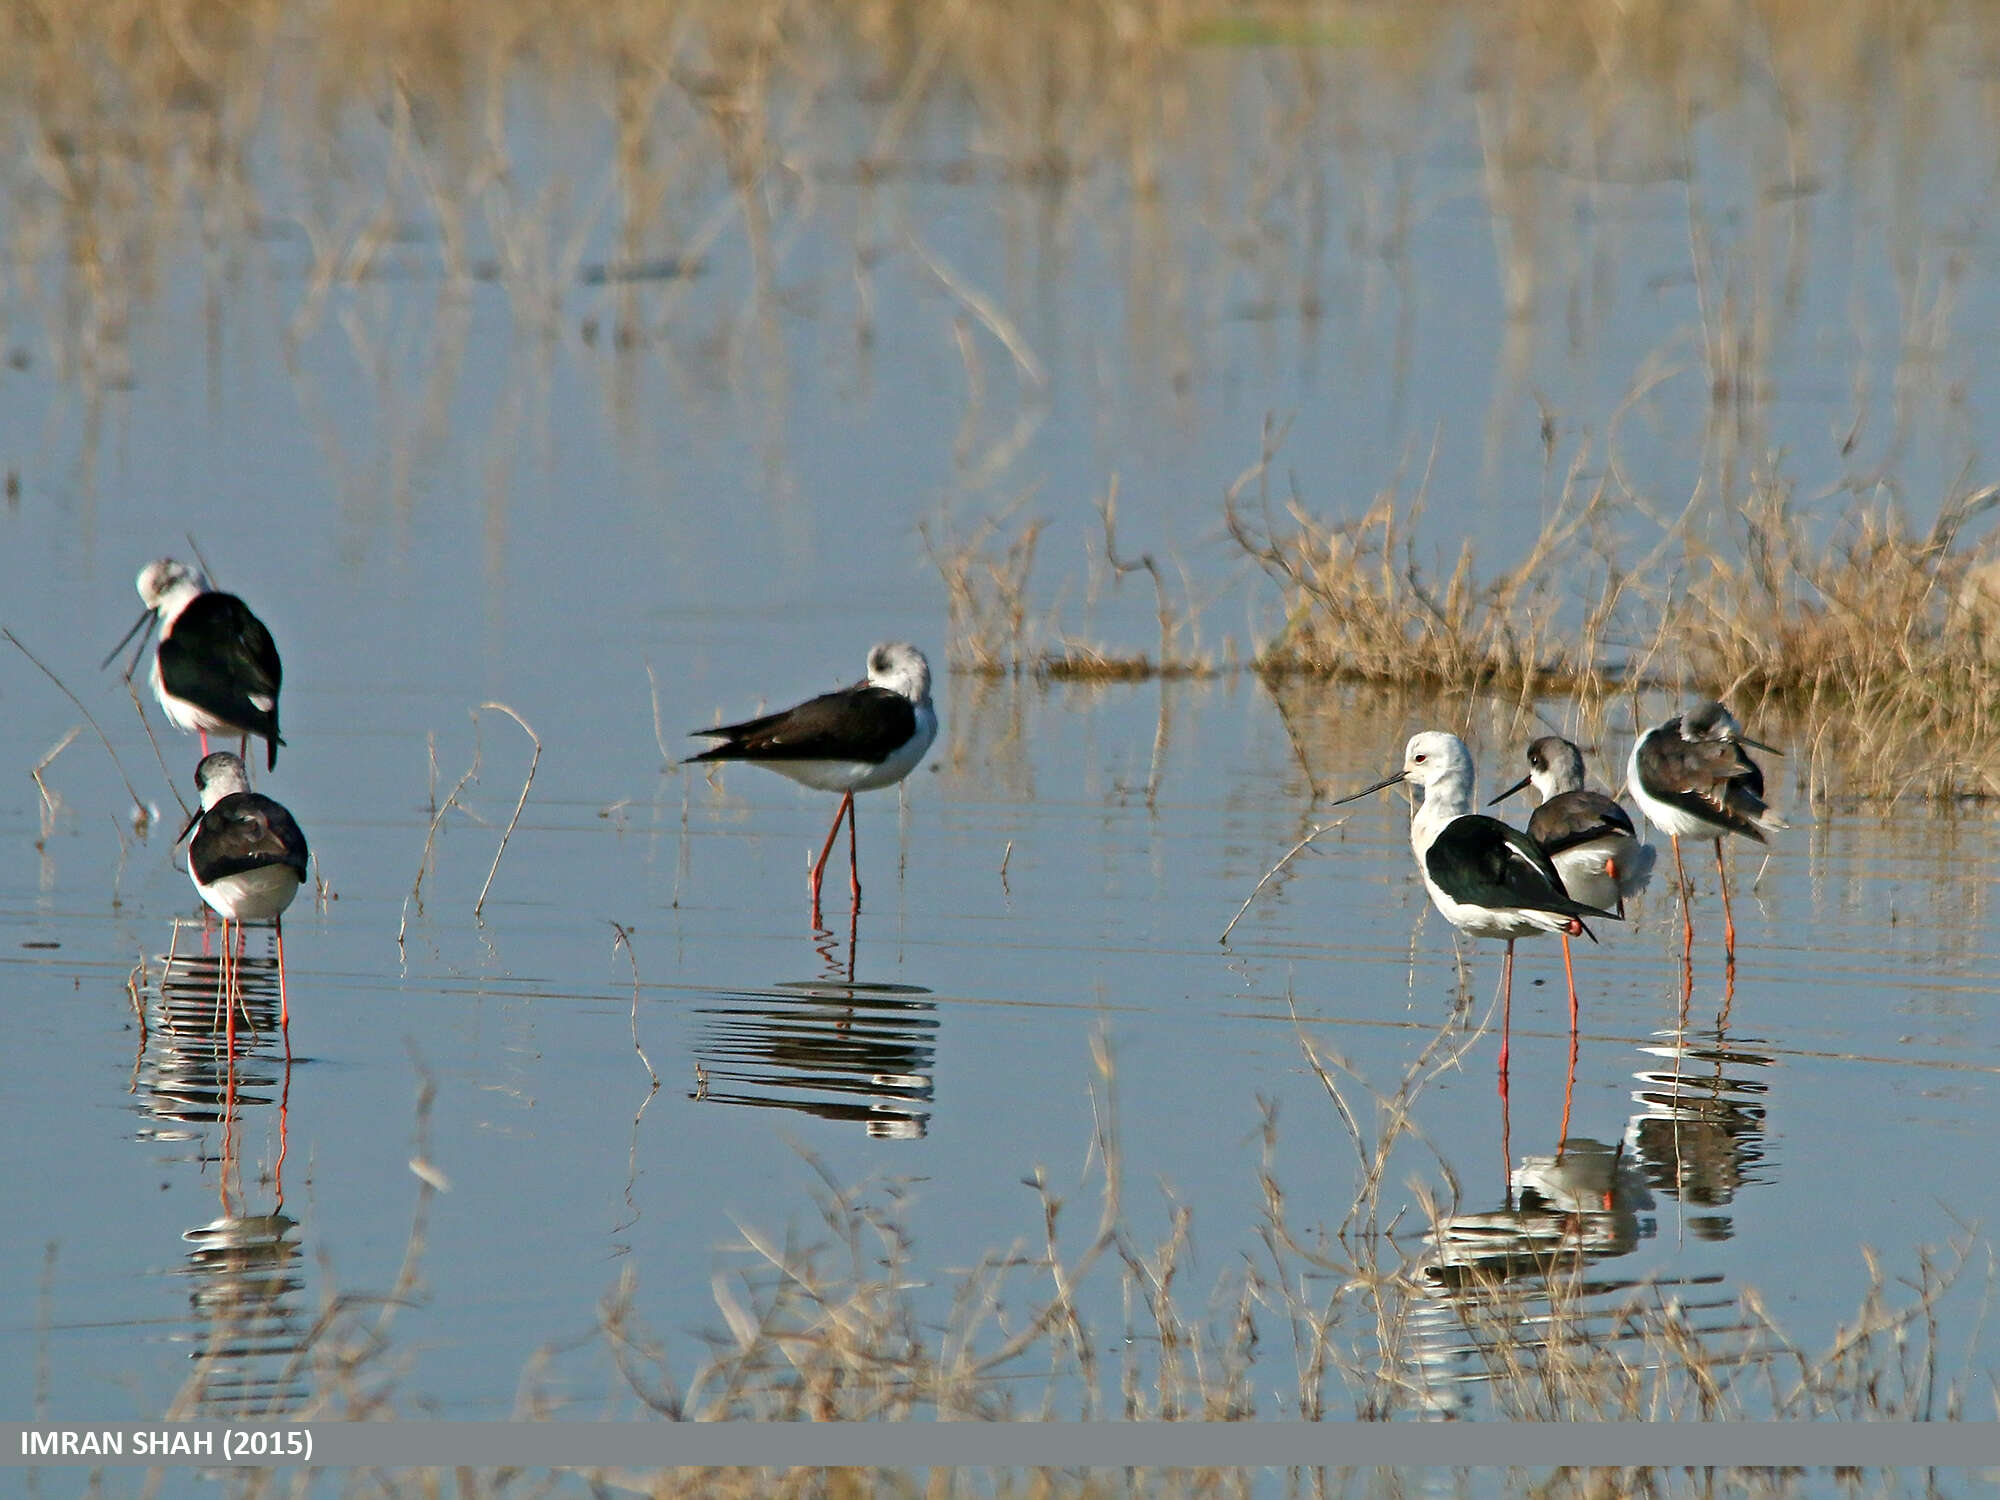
x,y
252,895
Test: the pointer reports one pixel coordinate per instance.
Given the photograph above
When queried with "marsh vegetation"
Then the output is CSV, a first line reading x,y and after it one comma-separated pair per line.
x,y
1224,391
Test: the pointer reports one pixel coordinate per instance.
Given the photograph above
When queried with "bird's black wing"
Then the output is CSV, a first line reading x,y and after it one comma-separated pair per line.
x,y
1480,861
1712,779
217,656
1572,818
857,723
247,831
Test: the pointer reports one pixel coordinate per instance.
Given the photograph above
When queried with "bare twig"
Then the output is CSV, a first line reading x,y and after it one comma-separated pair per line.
x,y
89,718
1287,859
430,837
533,761
624,940
51,802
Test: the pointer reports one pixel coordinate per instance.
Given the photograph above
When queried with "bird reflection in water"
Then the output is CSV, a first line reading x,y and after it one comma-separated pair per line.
x,y
833,1046
1518,1286
250,1319
1699,1131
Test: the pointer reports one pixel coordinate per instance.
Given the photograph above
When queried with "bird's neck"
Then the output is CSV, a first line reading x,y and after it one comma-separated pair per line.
x,y
1447,798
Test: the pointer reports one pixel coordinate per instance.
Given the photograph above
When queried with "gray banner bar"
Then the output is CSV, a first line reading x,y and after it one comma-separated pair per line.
x,y
645,1445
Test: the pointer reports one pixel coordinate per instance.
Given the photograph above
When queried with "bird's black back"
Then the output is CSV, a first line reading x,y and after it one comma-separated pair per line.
x,y
1712,779
1572,818
862,722
216,656
246,831
1480,861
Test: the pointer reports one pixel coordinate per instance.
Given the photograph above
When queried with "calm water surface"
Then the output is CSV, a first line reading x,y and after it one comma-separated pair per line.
x,y
437,503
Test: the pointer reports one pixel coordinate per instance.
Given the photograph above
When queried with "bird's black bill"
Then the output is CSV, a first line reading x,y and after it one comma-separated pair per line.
x,y
188,828
144,622
1357,796
1744,739
1524,781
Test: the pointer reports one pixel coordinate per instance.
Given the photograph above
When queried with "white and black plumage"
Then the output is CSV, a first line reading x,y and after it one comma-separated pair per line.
x,y
1485,878
1693,778
869,735
1589,836
217,669
247,859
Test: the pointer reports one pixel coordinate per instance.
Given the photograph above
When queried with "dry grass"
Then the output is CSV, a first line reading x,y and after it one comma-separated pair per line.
x,y
839,1321
1359,602
1879,637
996,628
1873,638
134,127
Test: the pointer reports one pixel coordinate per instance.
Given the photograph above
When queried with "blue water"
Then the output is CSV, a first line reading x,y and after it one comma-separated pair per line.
x,y
437,503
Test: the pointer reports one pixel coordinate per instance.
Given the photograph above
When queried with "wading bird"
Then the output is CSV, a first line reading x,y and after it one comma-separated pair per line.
x,y
247,859
216,670
857,739
1486,879
1693,778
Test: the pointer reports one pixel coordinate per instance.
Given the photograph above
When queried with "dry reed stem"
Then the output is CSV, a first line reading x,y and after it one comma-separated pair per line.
x,y
430,838
138,803
51,803
159,756
623,939
1283,860
533,761
841,1325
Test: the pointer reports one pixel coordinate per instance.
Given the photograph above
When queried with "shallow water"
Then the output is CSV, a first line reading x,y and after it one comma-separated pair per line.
x,y
437,506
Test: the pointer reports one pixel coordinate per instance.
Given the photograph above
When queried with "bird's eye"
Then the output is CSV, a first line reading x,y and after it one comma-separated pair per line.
x,y
1420,758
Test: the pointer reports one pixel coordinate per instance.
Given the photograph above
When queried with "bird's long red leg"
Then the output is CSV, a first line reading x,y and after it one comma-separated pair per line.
x,y
284,1140
1506,1122
228,992
1570,974
284,1005
853,857
1569,1088
221,981
1681,875
1506,1012
819,865
228,1133
204,742
1728,918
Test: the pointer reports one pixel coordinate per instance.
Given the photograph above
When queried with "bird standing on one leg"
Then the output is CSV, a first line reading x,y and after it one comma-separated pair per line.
x,y
869,735
1586,835
217,669
247,860
1692,777
1486,879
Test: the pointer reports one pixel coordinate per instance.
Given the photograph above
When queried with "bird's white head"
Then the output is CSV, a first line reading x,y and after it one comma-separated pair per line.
x,y
166,585
901,668
1434,759
1438,765
220,775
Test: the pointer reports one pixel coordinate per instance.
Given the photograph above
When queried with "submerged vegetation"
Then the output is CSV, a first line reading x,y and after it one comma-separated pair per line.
x,y
1360,1317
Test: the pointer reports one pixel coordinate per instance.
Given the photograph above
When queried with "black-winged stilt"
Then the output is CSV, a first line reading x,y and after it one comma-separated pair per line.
x,y
1586,835
1486,879
857,739
216,670
247,860
1692,778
